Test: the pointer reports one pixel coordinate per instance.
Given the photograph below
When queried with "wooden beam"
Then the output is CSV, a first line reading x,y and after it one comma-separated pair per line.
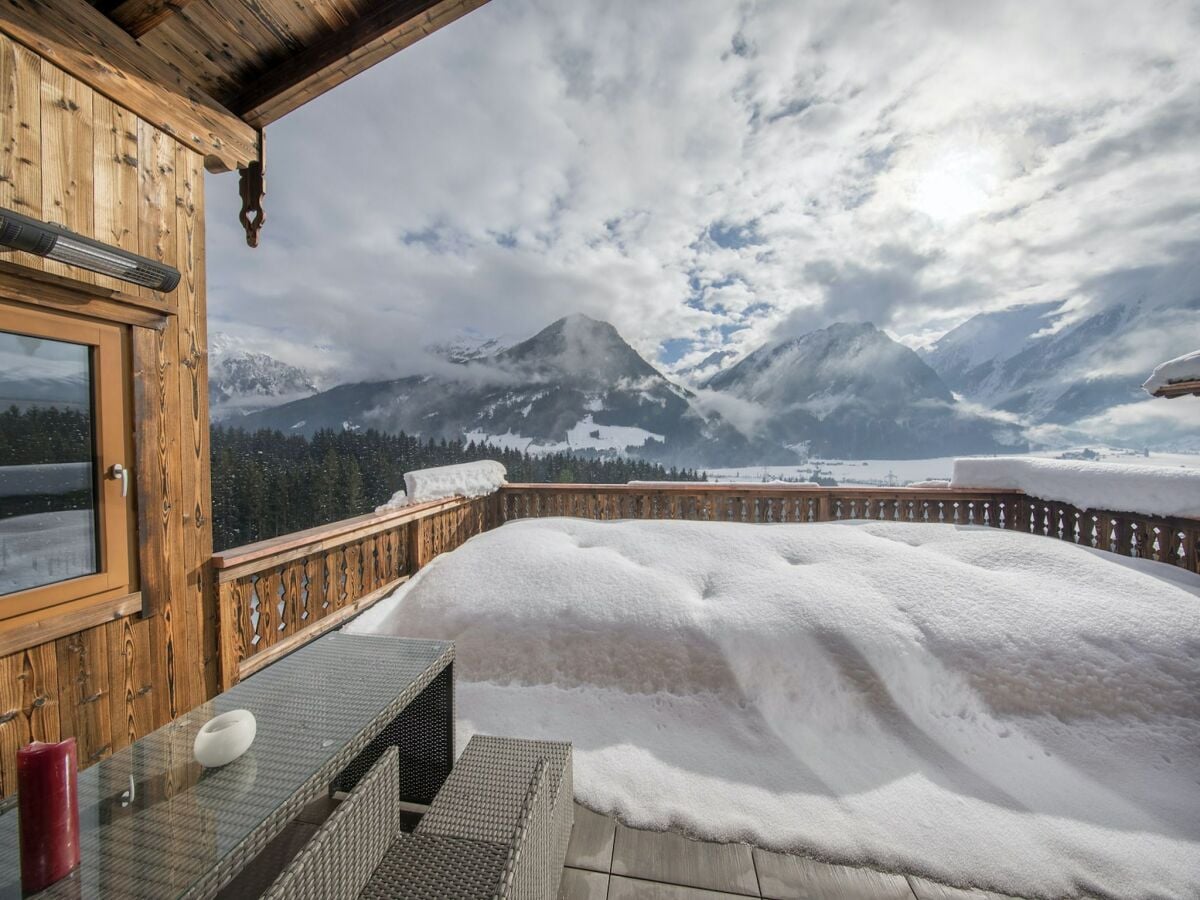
x,y
1179,389
140,16
81,40
389,27
36,628
43,289
235,562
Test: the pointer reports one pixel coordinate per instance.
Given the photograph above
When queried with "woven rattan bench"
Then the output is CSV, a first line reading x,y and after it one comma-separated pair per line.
x,y
498,828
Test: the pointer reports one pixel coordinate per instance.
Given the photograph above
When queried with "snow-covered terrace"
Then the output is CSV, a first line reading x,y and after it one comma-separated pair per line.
x,y
843,692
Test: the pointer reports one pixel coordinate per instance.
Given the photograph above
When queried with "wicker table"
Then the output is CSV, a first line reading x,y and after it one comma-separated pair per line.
x,y
325,713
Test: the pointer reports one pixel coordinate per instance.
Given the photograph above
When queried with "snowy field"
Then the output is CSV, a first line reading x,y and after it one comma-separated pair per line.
x,y
899,472
46,547
980,706
583,435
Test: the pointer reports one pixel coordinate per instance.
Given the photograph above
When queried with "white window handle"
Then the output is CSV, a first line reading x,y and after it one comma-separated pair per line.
x,y
119,471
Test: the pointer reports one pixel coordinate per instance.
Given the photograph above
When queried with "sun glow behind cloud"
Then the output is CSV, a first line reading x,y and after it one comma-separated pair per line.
x,y
957,182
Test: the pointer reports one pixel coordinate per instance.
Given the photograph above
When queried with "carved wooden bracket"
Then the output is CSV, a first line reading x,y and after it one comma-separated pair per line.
x,y
252,185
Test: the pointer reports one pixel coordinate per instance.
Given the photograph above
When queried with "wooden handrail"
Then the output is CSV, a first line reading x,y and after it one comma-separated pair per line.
x,y
274,596
345,529
1171,540
725,487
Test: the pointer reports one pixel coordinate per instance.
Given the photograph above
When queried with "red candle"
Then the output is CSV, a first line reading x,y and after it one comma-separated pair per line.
x,y
47,812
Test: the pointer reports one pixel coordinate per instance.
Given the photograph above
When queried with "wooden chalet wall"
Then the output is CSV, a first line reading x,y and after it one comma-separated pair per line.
x,y
69,155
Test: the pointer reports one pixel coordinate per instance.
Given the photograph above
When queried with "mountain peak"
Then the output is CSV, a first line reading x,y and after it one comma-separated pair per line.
x,y
243,381
850,389
837,331
577,318
582,325
578,347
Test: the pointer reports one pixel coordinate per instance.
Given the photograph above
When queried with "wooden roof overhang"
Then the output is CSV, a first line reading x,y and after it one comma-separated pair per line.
x,y
214,73
1179,389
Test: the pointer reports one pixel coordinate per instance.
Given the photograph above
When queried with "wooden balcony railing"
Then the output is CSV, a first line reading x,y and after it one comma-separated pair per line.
x,y
1170,540
277,595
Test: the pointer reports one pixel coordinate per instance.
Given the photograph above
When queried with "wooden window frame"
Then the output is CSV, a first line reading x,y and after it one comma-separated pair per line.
x,y
112,430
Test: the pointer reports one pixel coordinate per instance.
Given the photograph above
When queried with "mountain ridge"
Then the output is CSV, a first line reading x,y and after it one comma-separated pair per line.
x,y
578,385
242,381
850,390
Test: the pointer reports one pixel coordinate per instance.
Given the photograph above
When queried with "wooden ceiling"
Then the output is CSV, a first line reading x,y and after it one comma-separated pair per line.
x,y
214,71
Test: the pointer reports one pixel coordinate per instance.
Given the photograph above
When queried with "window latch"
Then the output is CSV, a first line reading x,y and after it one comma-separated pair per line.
x,y
119,471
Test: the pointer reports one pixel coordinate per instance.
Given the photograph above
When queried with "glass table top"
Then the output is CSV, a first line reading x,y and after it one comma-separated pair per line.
x,y
153,822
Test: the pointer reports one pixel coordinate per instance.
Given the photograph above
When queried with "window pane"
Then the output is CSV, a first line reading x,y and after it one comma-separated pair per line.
x,y
47,479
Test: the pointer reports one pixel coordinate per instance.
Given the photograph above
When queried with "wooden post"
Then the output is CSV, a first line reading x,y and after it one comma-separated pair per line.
x,y
231,640
824,508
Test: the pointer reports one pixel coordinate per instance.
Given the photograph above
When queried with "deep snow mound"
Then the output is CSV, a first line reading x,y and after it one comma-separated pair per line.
x,y
977,705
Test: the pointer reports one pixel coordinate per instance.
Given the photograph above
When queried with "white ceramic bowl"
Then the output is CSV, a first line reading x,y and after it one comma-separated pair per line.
x,y
223,739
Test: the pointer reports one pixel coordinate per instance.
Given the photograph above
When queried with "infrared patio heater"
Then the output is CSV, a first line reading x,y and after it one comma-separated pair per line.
x,y
18,232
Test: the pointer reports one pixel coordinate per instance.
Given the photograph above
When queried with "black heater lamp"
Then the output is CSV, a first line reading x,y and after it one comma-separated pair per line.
x,y
18,232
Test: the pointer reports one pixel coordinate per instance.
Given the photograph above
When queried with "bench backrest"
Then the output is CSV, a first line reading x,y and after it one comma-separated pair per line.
x,y
527,869
337,863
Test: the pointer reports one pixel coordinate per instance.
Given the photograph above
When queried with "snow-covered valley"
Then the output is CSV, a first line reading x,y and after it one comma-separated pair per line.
x,y
900,472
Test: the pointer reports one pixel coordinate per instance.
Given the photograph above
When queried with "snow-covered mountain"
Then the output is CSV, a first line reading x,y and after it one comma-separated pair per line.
x,y
1052,364
850,390
466,348
243,381
576,385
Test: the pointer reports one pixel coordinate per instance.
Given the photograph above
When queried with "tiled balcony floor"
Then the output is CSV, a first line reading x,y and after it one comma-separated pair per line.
x,y
607,861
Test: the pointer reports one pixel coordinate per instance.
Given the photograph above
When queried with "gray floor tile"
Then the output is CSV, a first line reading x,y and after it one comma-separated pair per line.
x,y
662,856
591,840
580,884
931,890
632,889
782,876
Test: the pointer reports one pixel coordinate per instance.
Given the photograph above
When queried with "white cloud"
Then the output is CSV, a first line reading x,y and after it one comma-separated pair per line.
x,y
718,175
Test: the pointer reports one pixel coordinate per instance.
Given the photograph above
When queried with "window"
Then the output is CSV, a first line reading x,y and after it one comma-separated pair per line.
x,y
65,496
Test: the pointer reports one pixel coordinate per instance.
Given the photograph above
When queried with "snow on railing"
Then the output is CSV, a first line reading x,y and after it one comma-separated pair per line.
x,y
1147,490
1179,371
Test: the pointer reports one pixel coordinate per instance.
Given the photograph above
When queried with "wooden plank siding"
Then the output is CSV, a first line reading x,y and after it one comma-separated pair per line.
x,y
21,139
75,38
70,155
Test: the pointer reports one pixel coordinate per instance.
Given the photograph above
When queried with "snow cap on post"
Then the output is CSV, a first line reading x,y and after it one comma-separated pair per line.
x,y
1173,371
473,479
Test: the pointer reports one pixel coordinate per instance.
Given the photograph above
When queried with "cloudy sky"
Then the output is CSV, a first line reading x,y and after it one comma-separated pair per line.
x,y
716,174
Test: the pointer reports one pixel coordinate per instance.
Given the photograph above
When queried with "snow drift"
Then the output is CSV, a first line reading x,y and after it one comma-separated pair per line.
x,y
473,479
1173,371
977,705
1149,490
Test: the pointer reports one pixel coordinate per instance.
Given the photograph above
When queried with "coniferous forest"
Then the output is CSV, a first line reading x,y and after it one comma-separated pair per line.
x,y
266,483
